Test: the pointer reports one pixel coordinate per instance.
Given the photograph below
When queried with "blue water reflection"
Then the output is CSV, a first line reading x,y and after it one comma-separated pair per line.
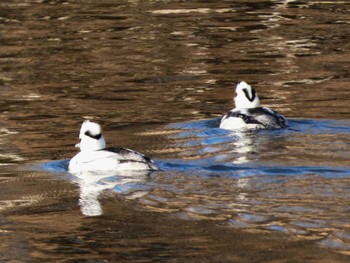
x,y
293,181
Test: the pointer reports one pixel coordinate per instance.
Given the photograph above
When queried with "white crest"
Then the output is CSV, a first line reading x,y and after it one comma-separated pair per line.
x,y
90,136
246,97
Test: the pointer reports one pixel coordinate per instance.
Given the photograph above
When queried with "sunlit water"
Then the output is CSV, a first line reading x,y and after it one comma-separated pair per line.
x,y
158,75
253,180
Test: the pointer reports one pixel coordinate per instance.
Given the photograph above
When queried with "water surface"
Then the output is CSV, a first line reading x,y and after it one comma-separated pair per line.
x,y
158,75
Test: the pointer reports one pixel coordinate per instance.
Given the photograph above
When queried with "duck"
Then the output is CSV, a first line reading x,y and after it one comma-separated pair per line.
x,y
95,156
249,114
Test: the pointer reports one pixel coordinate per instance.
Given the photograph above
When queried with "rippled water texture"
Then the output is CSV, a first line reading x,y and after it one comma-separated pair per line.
x,y
158,75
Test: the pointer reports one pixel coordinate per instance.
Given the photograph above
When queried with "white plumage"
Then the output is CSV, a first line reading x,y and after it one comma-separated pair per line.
x,y
248,113
94,156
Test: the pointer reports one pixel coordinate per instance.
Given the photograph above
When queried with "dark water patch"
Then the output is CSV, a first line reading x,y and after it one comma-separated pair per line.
x,y
321,126
252,169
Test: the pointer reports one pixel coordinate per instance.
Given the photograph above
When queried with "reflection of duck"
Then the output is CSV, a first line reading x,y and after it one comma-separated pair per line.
x,y
248,113
92,184
93,155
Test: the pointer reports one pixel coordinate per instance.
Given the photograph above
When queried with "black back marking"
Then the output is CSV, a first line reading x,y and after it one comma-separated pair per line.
x,y
119,150
246,118
93,136
125,151
246,93
260,115
278,120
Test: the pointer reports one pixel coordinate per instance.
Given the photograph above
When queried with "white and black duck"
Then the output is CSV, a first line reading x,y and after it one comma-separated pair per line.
x,y
94,156
248,113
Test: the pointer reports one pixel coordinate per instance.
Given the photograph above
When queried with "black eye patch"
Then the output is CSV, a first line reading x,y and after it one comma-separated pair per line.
x,y
246,93
93,136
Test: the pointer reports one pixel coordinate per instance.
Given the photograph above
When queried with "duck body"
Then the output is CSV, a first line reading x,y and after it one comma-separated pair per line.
x,y
249,115
109,159
254,118
94,156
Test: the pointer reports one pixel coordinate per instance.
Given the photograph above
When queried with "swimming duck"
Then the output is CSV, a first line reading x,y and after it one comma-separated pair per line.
x,y
248,113
94,156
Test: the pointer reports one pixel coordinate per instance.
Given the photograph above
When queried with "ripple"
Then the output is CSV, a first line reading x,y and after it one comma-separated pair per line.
x,y
262,193
265,192
191,10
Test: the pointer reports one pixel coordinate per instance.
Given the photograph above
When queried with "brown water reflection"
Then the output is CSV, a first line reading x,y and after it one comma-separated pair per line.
x,y
140,67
